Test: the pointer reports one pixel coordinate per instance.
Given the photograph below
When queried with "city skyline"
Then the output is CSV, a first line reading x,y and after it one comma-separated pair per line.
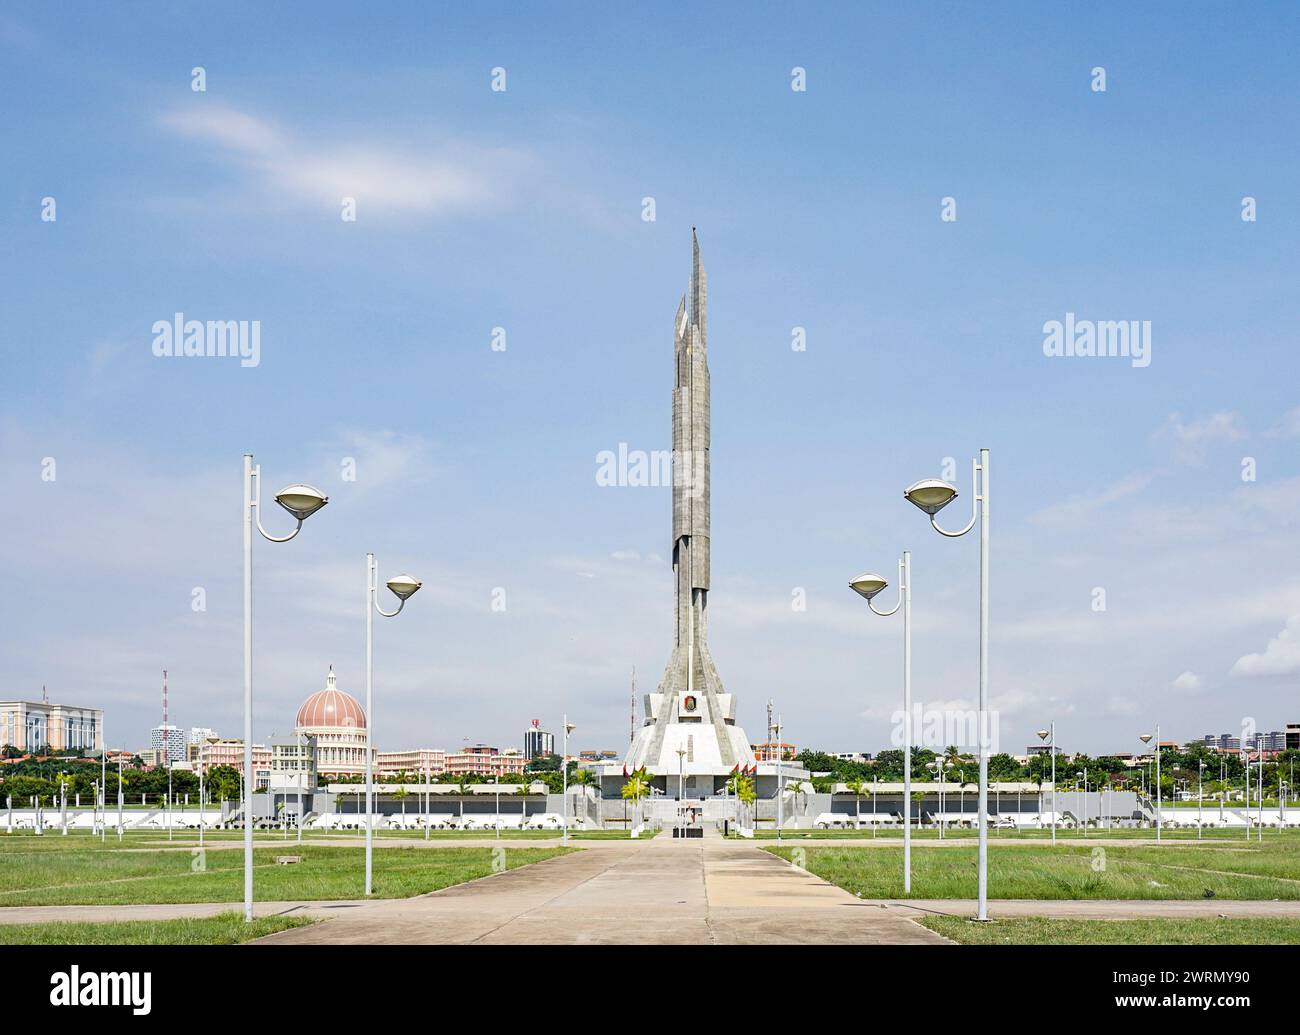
x,y
524,209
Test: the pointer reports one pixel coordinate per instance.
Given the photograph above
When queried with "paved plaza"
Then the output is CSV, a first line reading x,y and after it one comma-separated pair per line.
x,y
661,892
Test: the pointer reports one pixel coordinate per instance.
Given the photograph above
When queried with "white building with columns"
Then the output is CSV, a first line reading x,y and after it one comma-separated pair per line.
x,y
28,725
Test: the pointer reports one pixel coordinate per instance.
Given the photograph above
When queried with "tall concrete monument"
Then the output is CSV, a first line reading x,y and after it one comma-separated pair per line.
x,y
690,711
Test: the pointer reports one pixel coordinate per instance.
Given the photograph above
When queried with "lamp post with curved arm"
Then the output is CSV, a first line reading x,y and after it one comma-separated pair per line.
x,y
403,587
1146,739
301,501
867,586
1044,735
932,495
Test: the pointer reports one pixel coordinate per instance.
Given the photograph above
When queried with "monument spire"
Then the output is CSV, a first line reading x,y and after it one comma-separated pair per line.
x,y
690,709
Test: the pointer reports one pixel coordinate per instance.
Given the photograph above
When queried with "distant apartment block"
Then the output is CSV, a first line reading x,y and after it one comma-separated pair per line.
x,y
414,763
1221,742
774,751
485,761
231,753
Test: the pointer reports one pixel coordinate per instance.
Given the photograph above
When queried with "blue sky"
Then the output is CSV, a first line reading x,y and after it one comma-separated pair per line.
x,y
522,209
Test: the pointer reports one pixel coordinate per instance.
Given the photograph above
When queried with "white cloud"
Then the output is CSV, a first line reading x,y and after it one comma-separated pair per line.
x,y
1191,440
385,457
1188,682
381,178
1280,658
1289,425
1081,507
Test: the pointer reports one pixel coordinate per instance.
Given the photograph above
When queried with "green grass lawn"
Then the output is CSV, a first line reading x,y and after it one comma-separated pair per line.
x,y
1036,871
226,929
62,871
460,835
1045,931
1005,834
25,840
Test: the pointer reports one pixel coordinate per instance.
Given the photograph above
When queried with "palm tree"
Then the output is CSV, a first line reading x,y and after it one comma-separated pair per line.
x,y
400,794
636,788
794,789
462,789
857,788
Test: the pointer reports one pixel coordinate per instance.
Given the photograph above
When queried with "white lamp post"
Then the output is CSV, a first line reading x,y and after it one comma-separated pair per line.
x,y
301,501
867,586
403,587
1200,799
780,779
1257,741
1146,739
681,792
932,495
302,777
200,800
564,772
103,785
1050,735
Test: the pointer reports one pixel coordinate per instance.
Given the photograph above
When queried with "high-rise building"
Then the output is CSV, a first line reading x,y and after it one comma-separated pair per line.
x,y
1293,736
200,734
169,741
537,741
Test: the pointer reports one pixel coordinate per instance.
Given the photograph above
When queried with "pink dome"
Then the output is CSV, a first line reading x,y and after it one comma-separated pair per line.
x,y
331,707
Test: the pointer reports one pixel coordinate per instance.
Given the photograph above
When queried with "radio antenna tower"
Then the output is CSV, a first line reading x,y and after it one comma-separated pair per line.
x,y
166,730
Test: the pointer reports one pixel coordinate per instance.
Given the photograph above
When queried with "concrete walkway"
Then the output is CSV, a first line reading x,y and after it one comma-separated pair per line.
x,y
660,892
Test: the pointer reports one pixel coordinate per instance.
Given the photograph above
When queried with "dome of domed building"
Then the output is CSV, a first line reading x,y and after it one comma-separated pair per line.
x,y
331,707
337,723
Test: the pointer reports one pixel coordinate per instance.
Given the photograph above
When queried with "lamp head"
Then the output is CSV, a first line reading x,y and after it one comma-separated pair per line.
x,y
302,501
404,586
930,494
868,584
